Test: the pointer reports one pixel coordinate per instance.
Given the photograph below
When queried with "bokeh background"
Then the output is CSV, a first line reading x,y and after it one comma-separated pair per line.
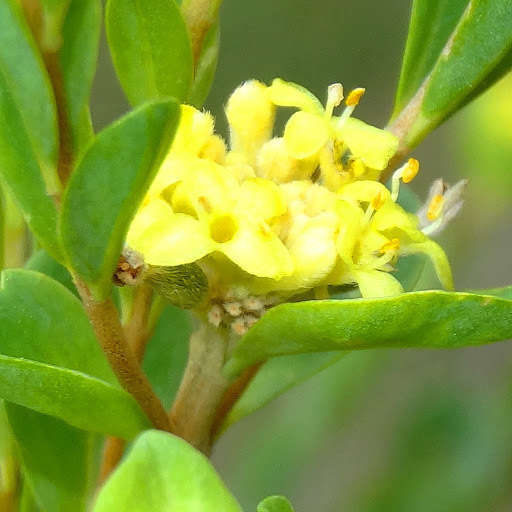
x,y
379,431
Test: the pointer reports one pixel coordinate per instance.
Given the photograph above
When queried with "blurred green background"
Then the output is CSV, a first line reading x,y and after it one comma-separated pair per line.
x,y
379,431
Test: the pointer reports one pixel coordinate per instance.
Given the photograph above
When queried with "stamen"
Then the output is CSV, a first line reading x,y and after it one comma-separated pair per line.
x,y
378,200
392,246
351,103
355,96
435,207
334,98
406,173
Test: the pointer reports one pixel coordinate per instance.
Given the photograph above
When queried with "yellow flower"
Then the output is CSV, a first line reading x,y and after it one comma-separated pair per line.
x,y
274,216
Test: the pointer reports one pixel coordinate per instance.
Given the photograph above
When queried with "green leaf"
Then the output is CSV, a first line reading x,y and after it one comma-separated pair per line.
x,y
432,22
83,401
51,361
277,376
28,135
42,262
430,319
275,504
107,187
166,354
206,67
77,56
163,473
57,459
150,48
504,293
473,56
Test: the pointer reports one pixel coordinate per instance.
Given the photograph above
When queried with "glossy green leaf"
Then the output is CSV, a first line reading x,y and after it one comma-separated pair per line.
x,y
42,262
166,353
77,56
58,460
28,135
83,401
432,22
504,293
476,53
429,319
275,504
51,361
150,48
107,187
163,473
206,67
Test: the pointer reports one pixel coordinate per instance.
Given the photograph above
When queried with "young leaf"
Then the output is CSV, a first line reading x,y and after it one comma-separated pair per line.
x,y
28,135
275,504
431,319
77,56
150,49
107,187
51,361
473,56
163,473
206,67
57,458
53,14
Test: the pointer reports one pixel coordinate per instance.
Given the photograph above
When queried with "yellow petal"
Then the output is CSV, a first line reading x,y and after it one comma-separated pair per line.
x,y
349,231
314,255
193,132
305,134
373,146
250,115
258,251
374,284
289,94
260,198
392,215
364,191
438,258
167,238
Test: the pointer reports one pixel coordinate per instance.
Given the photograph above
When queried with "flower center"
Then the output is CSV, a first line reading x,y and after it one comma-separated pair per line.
x,y
223,228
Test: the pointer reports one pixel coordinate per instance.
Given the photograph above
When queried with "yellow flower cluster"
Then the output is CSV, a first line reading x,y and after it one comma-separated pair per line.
x,y
282,215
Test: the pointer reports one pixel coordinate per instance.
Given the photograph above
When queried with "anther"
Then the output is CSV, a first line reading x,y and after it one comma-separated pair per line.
x,y
406,173
354,97
435,207
392,246
378,200
334,98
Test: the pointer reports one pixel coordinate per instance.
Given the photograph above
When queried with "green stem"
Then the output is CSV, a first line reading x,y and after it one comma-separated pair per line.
x,y
202,388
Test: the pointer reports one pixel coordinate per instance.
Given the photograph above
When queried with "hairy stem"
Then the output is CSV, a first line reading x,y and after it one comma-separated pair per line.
x,y
105,321
202,388
199,16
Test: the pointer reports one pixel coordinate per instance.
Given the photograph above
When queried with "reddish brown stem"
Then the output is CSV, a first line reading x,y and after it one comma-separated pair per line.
x,y
105,321
112,454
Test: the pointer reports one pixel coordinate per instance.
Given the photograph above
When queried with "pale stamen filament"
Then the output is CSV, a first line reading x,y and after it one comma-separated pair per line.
x,y
406,173
351,103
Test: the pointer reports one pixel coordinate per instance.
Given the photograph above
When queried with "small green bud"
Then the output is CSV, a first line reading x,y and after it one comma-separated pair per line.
x,y
184,286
